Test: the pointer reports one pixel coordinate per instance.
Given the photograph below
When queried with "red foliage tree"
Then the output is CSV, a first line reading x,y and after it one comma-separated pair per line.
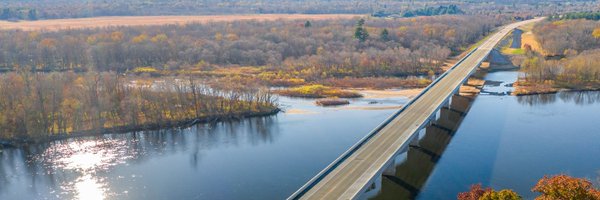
x,y
475,193
566,187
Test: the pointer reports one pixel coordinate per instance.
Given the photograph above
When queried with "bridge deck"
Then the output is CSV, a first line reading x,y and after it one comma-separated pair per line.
x,y
350,177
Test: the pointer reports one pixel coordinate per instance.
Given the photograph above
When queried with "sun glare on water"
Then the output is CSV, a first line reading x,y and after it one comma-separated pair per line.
x,y
89,188
85,159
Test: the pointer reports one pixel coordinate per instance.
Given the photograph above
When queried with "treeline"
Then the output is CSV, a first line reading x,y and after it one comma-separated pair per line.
x,y
35,106
78,8
18,14
579,71
577,15
326,48
427,11
430,11
574,54
525,9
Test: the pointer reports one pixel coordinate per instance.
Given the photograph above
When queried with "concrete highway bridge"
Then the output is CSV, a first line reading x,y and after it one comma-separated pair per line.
x,y
355,172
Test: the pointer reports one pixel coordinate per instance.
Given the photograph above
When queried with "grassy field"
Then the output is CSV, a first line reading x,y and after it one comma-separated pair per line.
x,y
527,39
513,51
97,22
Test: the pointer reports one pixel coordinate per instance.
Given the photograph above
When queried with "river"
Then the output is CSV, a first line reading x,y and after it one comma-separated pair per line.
x,y
257,158
502,142
506,142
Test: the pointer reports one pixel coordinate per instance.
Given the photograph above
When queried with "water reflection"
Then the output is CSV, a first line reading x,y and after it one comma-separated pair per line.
x,y
78,168
579,98
418,162
84,160
88,187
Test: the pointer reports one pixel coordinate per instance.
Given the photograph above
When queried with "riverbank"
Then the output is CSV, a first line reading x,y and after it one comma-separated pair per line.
x,y
144,127
523,88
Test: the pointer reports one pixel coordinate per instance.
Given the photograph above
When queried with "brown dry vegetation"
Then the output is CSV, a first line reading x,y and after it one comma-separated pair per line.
x,y
528,41
285,50
37,106
99,22
377,82
332,102
523,87
317,91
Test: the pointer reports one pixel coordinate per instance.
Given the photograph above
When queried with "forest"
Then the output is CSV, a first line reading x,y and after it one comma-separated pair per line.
x,y
577,15
18,14
570,56
94,8
36,106
309,50
427,11
84,81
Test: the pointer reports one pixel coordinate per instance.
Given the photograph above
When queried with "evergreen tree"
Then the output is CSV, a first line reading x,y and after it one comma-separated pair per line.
x,y
384,35
360,32
307,24
5,13
32,14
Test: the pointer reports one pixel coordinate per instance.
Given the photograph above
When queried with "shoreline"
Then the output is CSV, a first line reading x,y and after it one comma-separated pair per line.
x,y
17,142
558,90
368,93
536,88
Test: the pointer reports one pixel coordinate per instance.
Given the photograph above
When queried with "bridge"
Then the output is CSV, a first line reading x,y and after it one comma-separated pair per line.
x,y
351,174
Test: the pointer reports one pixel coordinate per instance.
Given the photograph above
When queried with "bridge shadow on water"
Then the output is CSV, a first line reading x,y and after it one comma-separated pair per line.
x,y
412,168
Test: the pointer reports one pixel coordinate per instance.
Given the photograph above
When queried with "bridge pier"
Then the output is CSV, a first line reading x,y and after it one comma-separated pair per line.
x,y
447,102
390,170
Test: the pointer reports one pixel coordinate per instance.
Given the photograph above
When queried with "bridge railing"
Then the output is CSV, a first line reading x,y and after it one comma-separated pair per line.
x,y
316,179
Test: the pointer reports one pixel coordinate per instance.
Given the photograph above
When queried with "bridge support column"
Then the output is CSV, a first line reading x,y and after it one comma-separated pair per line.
x,y
415,138
447,102
390,170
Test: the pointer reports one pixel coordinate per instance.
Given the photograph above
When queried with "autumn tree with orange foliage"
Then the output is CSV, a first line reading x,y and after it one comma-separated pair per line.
x,y
596,33
559,187
479,193
565,187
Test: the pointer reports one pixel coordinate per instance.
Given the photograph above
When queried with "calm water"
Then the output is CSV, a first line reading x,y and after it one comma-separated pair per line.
x,y
507,142
259,158
503,142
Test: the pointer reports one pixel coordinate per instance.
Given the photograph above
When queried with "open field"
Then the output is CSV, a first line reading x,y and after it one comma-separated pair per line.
x,y
98,22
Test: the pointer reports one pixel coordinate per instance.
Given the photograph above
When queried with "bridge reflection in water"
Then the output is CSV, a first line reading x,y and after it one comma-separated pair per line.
x,y
412,168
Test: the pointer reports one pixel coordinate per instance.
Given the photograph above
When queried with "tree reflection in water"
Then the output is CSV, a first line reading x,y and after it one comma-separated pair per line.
x,y
75,168
577,97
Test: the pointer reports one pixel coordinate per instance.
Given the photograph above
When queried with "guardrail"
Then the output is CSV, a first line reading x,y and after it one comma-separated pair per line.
x,y
313,181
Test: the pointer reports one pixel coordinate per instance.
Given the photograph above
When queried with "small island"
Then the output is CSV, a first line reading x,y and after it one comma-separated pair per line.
x,y
332,102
